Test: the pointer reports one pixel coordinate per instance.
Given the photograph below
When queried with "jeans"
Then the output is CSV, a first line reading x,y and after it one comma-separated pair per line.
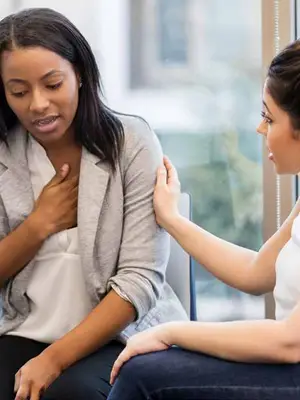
x,y
88,379
177,374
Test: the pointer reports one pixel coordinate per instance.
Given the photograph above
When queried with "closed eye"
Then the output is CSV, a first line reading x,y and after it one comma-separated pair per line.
x,y
54,87
18,94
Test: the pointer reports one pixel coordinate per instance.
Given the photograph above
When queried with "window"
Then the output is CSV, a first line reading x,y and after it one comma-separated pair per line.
x,y
160,42
172,18
200,87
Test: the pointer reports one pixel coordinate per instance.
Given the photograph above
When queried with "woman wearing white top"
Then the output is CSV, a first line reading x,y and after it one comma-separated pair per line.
x,y
231,360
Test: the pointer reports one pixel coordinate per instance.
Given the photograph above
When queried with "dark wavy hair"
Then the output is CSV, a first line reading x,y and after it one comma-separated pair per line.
x,y
96,126
283,81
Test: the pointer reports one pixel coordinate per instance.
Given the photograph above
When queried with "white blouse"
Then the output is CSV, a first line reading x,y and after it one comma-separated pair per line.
x,y
57,291
287,289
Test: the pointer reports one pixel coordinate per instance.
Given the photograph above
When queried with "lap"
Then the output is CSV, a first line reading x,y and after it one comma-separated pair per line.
x,y
88,378
186,375
14,353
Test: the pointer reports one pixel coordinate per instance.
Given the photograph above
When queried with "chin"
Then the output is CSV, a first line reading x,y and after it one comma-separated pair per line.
x,y
50,137
286,171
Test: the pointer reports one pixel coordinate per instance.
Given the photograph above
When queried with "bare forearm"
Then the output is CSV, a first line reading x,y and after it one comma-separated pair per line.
x,y
243,341
228,262
20,247
108,319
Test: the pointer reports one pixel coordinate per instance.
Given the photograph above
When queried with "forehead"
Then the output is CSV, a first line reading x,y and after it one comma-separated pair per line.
x,y
268,101
31,63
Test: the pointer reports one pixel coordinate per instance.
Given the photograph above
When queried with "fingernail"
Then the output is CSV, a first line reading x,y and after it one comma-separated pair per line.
x,y
64,168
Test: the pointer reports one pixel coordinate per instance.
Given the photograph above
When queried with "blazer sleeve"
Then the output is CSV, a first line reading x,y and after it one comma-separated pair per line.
x,y
4,225
144,250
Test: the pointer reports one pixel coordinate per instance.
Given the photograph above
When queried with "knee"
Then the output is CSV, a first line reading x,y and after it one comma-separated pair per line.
x,y
140,367
133,380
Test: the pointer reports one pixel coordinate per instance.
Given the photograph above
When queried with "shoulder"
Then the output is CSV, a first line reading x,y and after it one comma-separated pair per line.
x,y
15,149
137,132
141,149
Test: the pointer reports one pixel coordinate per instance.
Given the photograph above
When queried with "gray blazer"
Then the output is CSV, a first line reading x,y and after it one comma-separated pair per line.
x,y
121,246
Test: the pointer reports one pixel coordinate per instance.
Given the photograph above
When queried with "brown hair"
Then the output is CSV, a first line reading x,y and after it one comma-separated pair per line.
x,y
283,81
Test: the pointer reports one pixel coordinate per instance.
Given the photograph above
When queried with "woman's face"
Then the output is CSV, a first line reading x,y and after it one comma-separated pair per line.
x,y
281,138
42,90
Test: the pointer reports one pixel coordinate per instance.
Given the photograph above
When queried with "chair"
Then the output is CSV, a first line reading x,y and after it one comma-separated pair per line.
x,y
180,270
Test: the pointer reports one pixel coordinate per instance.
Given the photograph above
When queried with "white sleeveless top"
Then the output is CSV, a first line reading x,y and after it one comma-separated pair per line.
x,y
57,292
287,289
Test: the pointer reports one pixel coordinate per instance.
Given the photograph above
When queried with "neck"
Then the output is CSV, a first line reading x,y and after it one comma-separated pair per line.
x,y
65,151
62,145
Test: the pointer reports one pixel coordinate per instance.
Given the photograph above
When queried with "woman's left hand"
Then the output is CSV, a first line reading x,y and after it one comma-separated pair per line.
x,y
153,339
35,377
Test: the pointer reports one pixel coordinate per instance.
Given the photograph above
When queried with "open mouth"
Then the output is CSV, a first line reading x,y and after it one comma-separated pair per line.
x,y
45,121
48,124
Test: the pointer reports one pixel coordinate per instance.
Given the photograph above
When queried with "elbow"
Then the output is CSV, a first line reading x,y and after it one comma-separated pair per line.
x,y
292,351
288,349
256,289
257,293
289,355
140,292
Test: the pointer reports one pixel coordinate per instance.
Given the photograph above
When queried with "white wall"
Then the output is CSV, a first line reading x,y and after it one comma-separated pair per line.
x,y
5,8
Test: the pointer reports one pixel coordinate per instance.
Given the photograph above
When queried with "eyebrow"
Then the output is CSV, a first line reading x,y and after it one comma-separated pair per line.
x,y
50,73
265,104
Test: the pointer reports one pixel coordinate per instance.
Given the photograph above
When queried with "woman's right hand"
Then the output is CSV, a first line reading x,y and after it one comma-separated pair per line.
x,y
56,207
166,193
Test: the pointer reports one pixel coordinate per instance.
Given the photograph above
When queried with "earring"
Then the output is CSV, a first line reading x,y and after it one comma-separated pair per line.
x,y
80,83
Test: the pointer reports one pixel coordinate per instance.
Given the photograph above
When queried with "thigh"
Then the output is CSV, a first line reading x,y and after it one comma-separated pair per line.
x,y
14,353
88,378
178,374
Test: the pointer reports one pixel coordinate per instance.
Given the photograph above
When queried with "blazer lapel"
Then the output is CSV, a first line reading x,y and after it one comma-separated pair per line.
x,y
94,177
17,195
15,186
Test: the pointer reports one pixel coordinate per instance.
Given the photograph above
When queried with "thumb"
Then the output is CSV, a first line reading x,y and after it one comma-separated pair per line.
x,y
60,175
17,381
64,171
161,177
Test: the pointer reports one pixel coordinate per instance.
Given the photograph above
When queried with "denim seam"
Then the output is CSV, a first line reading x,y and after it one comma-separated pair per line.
x,y
234,388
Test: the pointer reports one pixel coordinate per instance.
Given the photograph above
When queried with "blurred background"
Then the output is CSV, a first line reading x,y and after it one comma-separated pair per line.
x,y
194,69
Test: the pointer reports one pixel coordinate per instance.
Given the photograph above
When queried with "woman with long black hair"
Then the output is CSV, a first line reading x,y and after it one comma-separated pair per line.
x,y
82,259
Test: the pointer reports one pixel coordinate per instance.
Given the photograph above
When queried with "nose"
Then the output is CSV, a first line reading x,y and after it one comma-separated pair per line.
x,y
39,102
262,128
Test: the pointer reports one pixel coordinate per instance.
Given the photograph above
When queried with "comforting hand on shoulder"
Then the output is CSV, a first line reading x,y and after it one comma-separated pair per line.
x,y
166,193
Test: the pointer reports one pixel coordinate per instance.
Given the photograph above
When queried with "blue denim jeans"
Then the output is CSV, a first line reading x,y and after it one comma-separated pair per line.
x,y
177,374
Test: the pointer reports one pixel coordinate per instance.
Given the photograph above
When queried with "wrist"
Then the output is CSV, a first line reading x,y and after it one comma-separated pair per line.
x,y
37,226
48,358
173,331
167,333
56,355
171,222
